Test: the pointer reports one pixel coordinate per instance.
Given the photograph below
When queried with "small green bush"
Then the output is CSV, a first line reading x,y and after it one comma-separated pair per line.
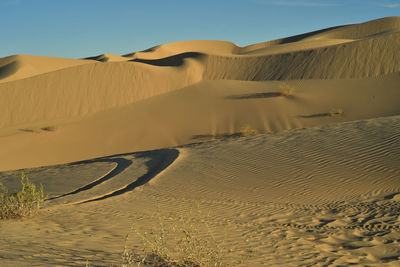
x,y
286,90
25,202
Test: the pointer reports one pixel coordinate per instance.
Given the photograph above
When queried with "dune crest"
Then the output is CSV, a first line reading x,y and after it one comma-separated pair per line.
x,y
19,67
108,58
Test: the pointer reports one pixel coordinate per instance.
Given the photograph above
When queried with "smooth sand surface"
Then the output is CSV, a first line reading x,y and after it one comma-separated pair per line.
x,y
114,138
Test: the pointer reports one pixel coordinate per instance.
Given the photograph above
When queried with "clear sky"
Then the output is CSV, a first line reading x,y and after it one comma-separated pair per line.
x,y
82,28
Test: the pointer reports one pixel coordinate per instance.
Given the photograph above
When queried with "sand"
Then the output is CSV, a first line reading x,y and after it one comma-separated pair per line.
x,y
114,138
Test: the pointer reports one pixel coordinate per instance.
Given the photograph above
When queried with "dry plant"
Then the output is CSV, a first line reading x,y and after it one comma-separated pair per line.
x,y
181,239
247,131
285,89
49,128
22,203
336,112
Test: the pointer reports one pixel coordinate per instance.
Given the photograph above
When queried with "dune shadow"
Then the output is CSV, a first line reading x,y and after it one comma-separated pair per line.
x,y
255,95
300,37
216,136
100,58
9,69
122,164
172,61
26,130
319,115
391,196
151,49
159,161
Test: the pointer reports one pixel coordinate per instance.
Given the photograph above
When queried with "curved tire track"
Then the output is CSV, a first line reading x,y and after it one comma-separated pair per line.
x,y
122,164
160,160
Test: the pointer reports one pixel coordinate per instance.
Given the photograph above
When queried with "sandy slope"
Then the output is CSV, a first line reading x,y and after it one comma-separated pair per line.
x,y
18,67
309,196
73,92
206,110
132,132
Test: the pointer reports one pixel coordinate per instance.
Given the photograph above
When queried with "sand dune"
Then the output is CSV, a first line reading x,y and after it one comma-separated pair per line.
x,y
174,66
23,66
213,109
310,196
370,57
203,46
115,138
346,32
108,58
86,89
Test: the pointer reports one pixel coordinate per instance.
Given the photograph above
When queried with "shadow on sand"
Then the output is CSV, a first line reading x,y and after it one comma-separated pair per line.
x,y
300,37
318,115
9,69
122,164
172,61
158,161
216,136
255,95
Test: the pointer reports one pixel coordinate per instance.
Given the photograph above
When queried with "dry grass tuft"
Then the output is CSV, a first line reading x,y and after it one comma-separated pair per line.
x,y
336,112
49,128
181,239
286,90
247,131
22,203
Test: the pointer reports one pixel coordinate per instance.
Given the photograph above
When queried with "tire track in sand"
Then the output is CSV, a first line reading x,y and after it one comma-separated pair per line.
x,y
158,161
121,165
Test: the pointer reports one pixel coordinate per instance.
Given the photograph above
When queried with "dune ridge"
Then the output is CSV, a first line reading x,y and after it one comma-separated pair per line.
x,y
19,67
371,57
86,89
213,87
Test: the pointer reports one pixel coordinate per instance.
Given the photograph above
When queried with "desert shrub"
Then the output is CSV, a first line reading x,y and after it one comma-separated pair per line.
x,y
49,128
181,239
247,131
25,202
286,90
336,112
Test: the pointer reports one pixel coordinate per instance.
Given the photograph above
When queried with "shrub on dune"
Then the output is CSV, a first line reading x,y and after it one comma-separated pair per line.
x,y
286,90
25,202
181,239
336,112
247,130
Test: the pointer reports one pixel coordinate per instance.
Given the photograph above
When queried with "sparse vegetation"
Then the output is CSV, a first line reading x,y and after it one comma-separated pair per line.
x,y
285,89
49,128
336,112
247,131
25,202
181,239
30,130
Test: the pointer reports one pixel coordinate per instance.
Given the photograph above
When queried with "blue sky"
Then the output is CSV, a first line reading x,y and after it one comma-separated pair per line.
x,y
81,28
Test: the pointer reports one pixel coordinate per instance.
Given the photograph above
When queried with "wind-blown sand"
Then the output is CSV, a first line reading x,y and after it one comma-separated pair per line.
x,y
112,138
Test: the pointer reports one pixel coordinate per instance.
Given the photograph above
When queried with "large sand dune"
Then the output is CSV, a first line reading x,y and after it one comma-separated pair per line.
x,y
318,184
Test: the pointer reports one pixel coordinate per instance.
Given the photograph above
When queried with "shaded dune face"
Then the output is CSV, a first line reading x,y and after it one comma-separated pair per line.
x,y
195,91
172,61
19,67
8,69
367,58
95,190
